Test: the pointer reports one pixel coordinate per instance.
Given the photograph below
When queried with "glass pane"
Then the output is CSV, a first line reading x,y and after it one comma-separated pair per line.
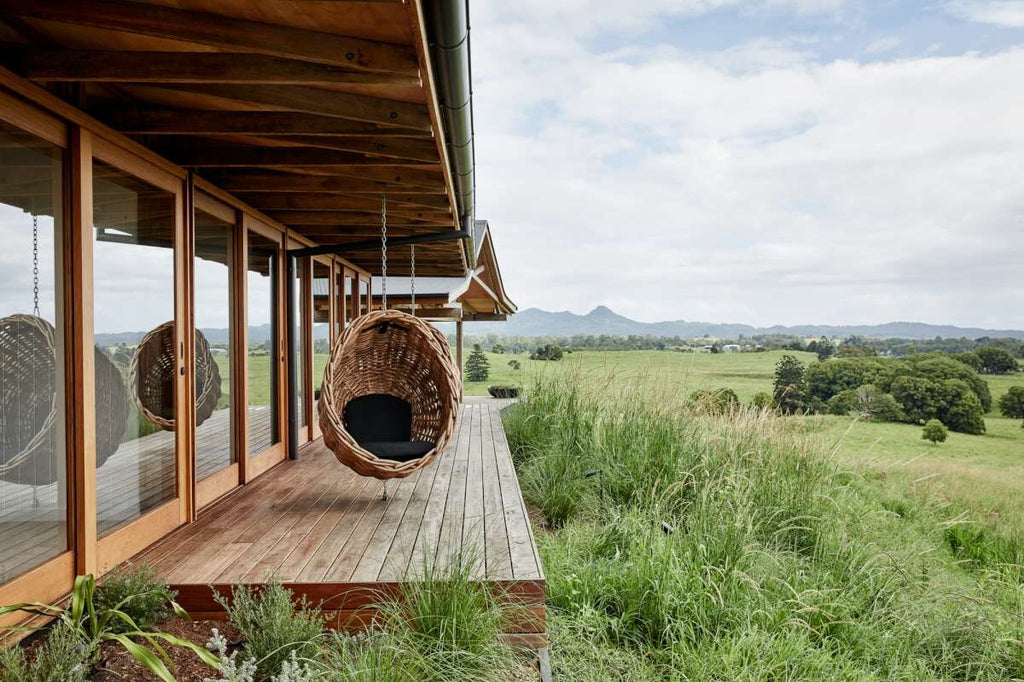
x,y
301,267
321,327
33,480
364,297
349,313
133,290
213,263
261,276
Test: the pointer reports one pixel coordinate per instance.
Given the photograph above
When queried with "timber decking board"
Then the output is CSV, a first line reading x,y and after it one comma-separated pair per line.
x,y
327,534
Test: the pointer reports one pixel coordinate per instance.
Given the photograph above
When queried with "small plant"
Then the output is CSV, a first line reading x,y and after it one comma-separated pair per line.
x,y
935,432
86,626
271,626
515,365
503,391
146,597
477,367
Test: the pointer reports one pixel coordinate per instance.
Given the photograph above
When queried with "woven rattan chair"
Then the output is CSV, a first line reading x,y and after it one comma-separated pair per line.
x,y
152,372
390,353
28,402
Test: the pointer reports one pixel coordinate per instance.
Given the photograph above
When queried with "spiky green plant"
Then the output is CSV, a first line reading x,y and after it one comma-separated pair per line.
x,y
90,626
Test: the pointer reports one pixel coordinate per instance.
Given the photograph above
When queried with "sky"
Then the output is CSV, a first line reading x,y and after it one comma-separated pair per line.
x,y
756,161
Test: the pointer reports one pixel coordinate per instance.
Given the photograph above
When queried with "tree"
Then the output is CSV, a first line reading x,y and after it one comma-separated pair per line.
x,y
498,349
477,367
789,384
762,401
934,431
996,360
1012,404
514,364
825,349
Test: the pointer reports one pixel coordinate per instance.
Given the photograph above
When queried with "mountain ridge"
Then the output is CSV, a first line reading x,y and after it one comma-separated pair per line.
x,y
604,320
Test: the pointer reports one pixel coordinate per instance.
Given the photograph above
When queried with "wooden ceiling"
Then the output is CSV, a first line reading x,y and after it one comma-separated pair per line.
x,y
306,110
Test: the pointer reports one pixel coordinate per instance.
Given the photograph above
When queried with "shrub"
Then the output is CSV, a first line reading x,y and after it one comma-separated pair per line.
x,y
271,626
547,352
934,431
141,592
503,391
1012,403
762,400
514,364
477,367
718,401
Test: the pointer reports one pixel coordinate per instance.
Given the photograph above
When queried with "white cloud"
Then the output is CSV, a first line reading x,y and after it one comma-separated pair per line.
x,y
880,45
670,184
998,12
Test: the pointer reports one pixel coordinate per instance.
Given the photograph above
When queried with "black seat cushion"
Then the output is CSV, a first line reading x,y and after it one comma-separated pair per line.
x,y
378,417
382,424
399,451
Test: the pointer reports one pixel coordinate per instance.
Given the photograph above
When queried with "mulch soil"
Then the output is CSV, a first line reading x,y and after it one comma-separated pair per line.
x,y
117,665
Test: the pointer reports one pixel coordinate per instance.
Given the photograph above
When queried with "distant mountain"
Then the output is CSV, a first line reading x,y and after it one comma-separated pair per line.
x,y
603,320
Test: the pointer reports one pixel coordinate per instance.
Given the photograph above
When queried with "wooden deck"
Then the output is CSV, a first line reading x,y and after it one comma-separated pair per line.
x,y
138,477
328,534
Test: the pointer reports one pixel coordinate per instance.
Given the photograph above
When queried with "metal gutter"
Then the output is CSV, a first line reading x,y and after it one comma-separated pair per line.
x,y
448,36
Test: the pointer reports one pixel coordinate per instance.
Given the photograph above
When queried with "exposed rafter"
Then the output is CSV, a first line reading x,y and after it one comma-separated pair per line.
x,y
219,31
317,101
190,67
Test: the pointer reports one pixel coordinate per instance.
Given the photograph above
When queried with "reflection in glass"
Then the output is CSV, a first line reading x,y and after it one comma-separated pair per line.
x,y
301,267
33,475
364,297
261,285
213,262
133,290
321,327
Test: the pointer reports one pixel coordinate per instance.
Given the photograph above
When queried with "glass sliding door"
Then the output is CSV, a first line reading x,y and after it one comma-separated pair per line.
x,y
134,226
263,369
322,306
300,336
213,308
33,459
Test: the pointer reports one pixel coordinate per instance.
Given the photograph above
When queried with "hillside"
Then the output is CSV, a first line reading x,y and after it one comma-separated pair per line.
x,y
603,320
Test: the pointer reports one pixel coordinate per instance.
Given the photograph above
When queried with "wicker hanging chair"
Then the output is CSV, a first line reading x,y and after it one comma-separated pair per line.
x,y
152,371
389,355
28,402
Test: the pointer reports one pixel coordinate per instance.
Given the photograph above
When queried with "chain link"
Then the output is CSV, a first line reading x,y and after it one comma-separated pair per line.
x,y
384,250
412,275
35,266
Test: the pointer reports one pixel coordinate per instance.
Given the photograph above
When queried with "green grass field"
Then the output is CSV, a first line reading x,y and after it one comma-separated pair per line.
x,y
981,474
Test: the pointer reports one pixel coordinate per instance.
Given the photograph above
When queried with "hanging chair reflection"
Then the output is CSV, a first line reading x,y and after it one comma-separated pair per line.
x,y
390,395
152,371
29,398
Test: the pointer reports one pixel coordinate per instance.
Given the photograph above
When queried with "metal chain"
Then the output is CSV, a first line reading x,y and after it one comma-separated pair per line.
x,y
35,266
412,275
384,250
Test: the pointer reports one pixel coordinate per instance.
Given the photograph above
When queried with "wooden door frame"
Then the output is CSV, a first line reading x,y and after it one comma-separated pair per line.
x,y
128,540
314,424
227,479
278,452
54,577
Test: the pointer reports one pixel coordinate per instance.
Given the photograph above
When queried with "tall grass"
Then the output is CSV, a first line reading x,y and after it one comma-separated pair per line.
x,y
729,547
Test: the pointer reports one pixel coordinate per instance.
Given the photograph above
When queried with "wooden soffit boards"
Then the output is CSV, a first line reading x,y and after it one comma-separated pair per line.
x,y
299,107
